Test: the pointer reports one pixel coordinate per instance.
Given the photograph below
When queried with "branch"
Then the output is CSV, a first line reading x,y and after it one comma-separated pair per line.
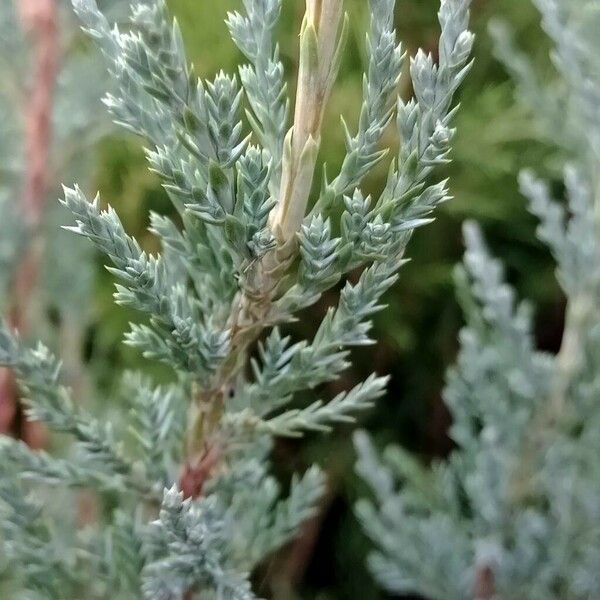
x,y
484,584
39,19
321,41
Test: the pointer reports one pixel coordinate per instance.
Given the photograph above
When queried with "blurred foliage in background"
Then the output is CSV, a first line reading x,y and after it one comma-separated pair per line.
x,y
418,333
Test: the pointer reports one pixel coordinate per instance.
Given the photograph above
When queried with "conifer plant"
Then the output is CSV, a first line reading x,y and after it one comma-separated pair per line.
x,y
186,505
514,513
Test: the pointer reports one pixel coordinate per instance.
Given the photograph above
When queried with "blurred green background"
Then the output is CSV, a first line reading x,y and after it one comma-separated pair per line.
x,y
417,334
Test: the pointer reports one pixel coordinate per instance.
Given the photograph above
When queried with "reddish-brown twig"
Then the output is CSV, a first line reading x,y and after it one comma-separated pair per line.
x,y
484,584
195,475
192,480
39,20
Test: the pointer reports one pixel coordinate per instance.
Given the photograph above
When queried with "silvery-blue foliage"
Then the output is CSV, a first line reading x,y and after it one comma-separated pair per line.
x,y
514,512
193,508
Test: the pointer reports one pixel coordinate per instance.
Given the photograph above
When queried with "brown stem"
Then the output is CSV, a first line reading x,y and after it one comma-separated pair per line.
x,y
484,588
193,477
195,474
7,405
39,19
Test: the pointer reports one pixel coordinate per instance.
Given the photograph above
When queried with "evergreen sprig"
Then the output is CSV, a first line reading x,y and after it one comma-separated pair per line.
x,y
243,257
512,513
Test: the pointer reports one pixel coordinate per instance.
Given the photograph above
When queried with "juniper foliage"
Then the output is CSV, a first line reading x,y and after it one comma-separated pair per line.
x,y
513,512
183,474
